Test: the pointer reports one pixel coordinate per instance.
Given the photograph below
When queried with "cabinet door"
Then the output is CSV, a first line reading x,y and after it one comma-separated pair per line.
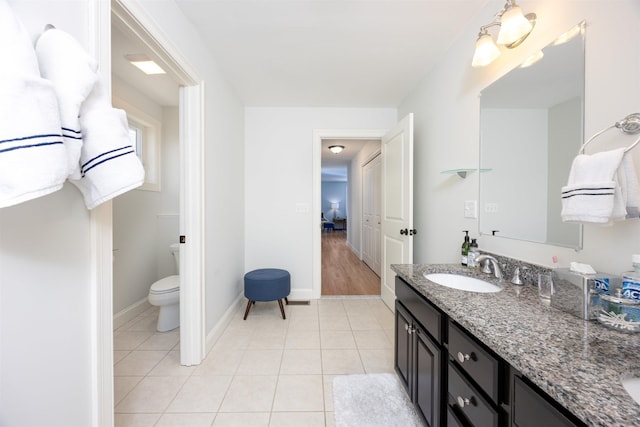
x,y
403,346
428,370
531,409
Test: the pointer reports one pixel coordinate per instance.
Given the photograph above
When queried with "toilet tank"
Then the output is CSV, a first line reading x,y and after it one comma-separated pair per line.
x,y
175,251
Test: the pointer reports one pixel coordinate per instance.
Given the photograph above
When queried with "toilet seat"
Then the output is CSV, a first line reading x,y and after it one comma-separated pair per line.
x,y
167,285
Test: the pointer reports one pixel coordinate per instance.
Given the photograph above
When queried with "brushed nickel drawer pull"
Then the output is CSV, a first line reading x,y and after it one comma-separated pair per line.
x,y
464,357
462,402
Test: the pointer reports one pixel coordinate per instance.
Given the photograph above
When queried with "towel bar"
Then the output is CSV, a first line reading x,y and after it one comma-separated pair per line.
x,y
630,125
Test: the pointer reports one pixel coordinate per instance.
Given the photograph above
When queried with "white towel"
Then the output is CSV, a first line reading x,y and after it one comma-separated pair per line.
x,y
590,194
73,73
32,155
630,187
109,164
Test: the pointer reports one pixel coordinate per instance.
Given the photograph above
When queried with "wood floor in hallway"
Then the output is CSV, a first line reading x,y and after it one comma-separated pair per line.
x,y
342,272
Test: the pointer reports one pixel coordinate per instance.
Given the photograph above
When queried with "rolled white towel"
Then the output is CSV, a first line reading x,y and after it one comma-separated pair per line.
x,y
73,73
32,154
109,164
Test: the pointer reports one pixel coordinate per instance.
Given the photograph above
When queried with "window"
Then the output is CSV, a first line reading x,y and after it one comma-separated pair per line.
x,y
144,133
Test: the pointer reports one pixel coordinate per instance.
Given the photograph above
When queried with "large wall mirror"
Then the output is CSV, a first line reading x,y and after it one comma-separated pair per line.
x,y
531,128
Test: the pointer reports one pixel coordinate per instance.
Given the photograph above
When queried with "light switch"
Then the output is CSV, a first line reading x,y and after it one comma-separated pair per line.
x,y
471,209
303,208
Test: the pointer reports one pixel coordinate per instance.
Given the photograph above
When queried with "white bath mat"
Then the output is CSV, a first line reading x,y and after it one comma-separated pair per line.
x,y
372,400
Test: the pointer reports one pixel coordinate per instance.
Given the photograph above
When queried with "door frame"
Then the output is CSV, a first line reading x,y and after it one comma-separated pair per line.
x,y
191,112
316,193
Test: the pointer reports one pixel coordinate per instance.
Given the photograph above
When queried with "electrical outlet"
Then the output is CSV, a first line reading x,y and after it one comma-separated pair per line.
x,y
303,208
491,207
471,209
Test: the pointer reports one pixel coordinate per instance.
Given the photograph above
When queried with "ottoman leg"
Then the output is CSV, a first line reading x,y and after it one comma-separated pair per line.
x,y
246,312
281,308
286,300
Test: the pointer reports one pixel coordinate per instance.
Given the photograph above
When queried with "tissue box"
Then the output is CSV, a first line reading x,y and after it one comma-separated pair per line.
x,y
577,293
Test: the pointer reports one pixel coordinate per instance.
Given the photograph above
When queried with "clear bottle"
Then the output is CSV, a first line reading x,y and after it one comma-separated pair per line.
x,y
465,248
631,280
474,252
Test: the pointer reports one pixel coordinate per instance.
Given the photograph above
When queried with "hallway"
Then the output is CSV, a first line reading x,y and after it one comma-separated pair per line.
x,y
342,272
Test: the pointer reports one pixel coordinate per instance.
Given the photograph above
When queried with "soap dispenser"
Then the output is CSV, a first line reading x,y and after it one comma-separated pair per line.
x,y
474,252
465,248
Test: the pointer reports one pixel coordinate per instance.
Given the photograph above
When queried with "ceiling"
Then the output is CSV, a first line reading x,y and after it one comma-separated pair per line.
x,y
328,53
312,53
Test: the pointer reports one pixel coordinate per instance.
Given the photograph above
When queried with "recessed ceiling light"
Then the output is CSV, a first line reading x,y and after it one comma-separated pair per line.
x,y
144,63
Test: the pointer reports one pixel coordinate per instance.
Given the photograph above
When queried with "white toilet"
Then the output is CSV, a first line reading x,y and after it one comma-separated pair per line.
x,y
165,293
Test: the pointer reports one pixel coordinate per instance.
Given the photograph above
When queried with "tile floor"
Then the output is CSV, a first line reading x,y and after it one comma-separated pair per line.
x,y
263,372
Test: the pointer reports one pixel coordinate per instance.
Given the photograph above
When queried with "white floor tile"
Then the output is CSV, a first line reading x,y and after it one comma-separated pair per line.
x,y
186,420
201,394
297,419
135,420
296,361
170,366
256,419
151,395
250,394
337,339
138,363
260,362
299,393
302,340
341,362
262,372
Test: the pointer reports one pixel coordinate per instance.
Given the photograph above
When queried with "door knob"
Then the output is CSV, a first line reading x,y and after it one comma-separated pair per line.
x,y
413,232
404,231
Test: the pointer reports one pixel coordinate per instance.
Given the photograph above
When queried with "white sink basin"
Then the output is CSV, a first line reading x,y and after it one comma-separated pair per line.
x,y
632,386
462,283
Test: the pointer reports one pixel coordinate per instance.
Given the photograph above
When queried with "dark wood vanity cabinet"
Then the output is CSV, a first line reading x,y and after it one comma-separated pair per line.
x,y
418,362
454,380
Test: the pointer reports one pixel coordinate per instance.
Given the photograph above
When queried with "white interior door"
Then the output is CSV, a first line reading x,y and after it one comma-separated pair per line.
x,y
397,203
371,193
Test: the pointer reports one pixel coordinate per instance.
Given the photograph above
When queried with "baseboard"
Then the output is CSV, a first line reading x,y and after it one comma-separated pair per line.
x,y
301,294
219,328
354,250
388,297
131,312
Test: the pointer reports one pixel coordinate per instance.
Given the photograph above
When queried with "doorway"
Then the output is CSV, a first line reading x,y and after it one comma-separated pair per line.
x,y
142,34
342,269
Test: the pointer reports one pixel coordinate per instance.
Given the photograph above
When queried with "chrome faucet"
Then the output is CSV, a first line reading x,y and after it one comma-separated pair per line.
x,y
484,260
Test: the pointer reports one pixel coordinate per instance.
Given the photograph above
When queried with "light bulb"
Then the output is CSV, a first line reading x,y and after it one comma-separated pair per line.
x,y
513,26
486,51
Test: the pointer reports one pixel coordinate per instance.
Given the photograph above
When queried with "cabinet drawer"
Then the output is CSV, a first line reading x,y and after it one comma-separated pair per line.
x,y
465,398
477,362
426,314
531,409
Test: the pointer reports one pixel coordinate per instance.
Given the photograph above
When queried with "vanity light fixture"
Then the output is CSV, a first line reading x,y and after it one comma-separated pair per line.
x,y
514,29
336,149
144,63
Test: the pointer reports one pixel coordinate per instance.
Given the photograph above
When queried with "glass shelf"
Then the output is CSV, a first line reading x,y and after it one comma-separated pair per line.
x,y
462,173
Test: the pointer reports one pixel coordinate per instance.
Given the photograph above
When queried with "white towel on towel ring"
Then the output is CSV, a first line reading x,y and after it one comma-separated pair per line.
x,y
32,154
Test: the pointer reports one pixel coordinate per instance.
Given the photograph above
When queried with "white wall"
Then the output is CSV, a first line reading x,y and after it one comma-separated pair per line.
x,y
45,284
279,157
145,222
446,110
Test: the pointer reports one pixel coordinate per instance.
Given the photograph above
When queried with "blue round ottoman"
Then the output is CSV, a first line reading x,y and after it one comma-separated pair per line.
x,y
267,284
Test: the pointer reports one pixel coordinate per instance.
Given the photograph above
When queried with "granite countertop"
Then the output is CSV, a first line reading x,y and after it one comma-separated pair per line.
x,y
577,362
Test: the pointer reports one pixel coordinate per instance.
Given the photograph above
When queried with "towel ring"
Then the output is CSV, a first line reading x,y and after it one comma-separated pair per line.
x,y
630,125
